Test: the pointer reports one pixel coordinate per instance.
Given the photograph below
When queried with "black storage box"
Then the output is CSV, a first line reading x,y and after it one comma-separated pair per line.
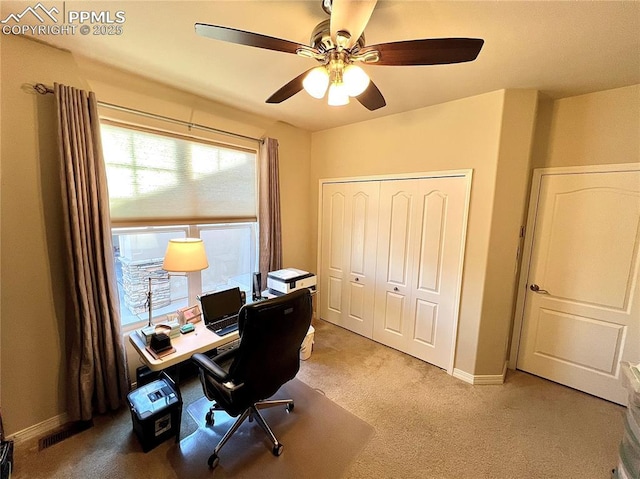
x,y
144,375
156,412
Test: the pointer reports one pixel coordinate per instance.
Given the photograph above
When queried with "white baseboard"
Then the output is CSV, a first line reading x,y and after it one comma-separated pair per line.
x,y
38,430
481,379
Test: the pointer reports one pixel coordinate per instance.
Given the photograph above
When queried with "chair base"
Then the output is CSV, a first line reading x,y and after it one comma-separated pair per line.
x,y
251,413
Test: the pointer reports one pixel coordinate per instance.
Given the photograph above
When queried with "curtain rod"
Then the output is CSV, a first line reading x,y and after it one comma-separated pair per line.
x,y
44,90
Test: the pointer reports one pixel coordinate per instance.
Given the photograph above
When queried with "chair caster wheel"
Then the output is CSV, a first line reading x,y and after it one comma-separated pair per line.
x,y
213,460
289,407
277,449
209,419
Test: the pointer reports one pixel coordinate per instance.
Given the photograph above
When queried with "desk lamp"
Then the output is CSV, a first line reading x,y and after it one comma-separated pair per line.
x,y
183,255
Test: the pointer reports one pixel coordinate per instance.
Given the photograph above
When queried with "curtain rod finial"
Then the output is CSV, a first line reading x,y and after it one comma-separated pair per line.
x,y
42,89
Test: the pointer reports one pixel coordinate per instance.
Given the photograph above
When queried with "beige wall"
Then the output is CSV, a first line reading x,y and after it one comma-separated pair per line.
x,y
462,134
594,129
32,301
32,297
510,197
295,152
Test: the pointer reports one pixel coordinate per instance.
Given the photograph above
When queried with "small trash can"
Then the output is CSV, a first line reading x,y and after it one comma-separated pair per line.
x,y
307,344
156,412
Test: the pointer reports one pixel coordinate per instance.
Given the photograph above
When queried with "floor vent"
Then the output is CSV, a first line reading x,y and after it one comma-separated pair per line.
x,y
63,433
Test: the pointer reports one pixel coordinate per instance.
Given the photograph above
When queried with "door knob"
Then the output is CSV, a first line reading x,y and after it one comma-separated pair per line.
x,y
536,289
357,280
396,289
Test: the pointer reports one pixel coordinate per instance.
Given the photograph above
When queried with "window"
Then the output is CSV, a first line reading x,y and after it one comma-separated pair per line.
x,y
163,187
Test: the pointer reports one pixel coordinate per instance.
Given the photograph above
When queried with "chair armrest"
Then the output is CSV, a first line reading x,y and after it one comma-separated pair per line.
x,y
203,361
225,356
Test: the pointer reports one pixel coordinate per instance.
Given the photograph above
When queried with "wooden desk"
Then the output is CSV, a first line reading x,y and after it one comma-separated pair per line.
x,y
198,341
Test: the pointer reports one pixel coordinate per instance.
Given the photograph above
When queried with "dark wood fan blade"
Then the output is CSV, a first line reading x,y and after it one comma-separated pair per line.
x,y
430,51
371,98
288,90
250,39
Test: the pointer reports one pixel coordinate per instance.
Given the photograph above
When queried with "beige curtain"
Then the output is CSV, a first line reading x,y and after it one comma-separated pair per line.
x,y
96,374
269,209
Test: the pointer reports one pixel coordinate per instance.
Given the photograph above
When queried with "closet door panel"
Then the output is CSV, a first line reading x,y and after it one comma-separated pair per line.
x,y
397,258
361,238
348,262
434,207
425,321
440,224
357,307
393,313
334,296
395,239
361,205
332,265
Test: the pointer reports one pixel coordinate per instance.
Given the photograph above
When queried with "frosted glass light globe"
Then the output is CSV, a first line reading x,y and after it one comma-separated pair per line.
x,y
355,79
338,94
316,82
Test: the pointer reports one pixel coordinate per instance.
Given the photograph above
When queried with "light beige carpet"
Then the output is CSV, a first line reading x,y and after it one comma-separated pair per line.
x,y
320,439
428,425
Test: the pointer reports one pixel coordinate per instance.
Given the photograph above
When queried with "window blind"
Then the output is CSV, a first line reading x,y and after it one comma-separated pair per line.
x,y
158,179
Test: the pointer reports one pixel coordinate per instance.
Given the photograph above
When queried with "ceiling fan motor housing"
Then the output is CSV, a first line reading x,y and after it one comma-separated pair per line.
x,y
321,38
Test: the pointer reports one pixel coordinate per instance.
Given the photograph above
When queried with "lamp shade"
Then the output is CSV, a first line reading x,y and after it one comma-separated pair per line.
x,y
185,255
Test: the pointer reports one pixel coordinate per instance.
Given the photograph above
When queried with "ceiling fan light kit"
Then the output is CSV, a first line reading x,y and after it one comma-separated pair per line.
x,y
333,45
355,79
338,95
316,82
343,81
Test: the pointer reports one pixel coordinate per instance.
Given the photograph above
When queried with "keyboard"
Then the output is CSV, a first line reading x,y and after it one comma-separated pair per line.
x,y
224,326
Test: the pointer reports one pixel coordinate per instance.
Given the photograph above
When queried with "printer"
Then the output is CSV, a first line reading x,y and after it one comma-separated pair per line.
x,y
290,279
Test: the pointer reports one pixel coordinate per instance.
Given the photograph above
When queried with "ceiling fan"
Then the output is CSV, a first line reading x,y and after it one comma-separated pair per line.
x,y
338,45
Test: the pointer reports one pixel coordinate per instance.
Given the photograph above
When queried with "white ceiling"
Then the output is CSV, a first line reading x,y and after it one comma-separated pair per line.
x,y
560,48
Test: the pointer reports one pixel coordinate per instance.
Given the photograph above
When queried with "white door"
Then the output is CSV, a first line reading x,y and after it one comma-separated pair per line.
x,y
420,253
349,236
581,313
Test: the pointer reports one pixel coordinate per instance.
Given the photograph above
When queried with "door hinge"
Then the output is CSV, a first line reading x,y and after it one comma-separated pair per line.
x,y
522,230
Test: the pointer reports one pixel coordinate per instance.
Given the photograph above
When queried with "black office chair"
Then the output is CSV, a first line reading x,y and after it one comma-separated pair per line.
x,y
268,355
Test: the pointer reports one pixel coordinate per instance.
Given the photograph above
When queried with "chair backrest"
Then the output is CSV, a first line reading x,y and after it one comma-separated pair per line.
x,y
271,333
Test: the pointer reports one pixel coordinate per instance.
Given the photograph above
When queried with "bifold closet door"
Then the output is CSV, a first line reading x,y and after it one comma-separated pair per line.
x,y
421,229
348,254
